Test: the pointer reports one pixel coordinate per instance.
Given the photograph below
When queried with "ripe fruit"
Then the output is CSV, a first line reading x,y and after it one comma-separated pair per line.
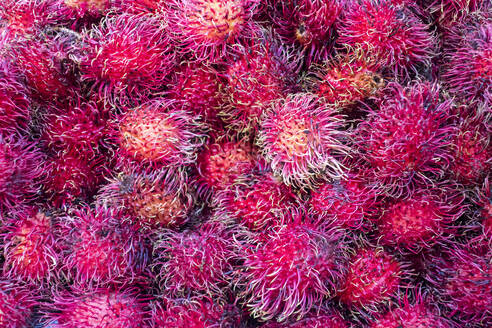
x,y
24,18
16,304
301,139
84,9
295,269
323,320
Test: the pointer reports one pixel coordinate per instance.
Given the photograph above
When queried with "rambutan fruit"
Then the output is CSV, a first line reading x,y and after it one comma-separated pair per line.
x,y
301,139
373,277
101,308
196,262
74,10
101,247
468,69
296,268
263,72
29,247
16,304
224,160
346,80
349,203
14,101
154,199
21,168
416,314
388,31
207,28
256,200
407,140
448,13
158,134
323,320
127,57
307,23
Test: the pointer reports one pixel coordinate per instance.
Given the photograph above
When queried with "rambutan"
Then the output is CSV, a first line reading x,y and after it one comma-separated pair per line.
x,y
263,72
207,28
256,200
373,278
83,9
407,140
127,57
388,31
29,250
323,320
154,199
295,269
301,139
195,262
448,13
158,134
101,247
21,168
16,305
102,308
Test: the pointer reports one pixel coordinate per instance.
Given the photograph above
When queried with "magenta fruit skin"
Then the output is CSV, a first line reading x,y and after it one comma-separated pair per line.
x,y
16,304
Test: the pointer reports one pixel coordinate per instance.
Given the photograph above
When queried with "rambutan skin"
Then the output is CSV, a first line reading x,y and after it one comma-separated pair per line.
x,y
407,140
294,269
301,138
127,56
16,304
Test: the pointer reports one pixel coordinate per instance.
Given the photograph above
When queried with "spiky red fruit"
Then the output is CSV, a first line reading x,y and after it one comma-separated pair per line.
x,y
223,161
373,277
297,267
83,9
407,139
128,56
29,249
101,308
101,246
449,13
207,28
154,199
389,31
347,80
20,168
420,314
158,134
301,139
26,17
14,101
263,72
195,262
16,305
348,203
257,201
324,320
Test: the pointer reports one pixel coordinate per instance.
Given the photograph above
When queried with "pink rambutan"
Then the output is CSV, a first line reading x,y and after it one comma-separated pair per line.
x,y
101,247
388,31
196,262
256,200
158,134
127,57
262,73
102,308
448,13
296,268
16,305
154,199
83,9
21,168
301,139
14,101
373,278
323,320
29,247
407,140
207,28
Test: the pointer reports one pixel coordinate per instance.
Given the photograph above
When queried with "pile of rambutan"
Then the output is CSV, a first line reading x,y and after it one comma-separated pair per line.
x,y
245,163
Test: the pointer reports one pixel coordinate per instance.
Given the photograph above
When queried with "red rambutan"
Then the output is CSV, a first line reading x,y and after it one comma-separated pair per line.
x,y
407,140
301,138
29,250
158,134
373,278
388,31
297,267
323,320
448,13
257,201
195,262
127,56
16,305
207,28
81,9
101,247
